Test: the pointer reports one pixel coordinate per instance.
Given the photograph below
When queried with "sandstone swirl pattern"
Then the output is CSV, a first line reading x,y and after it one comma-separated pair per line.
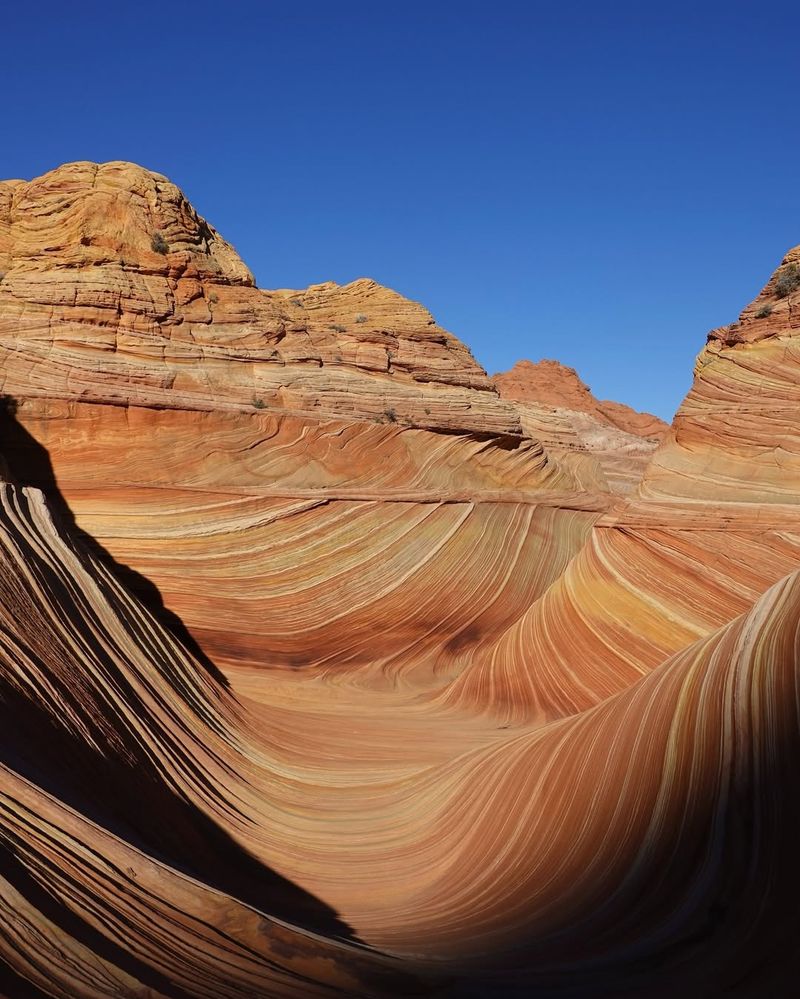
x,y
327,670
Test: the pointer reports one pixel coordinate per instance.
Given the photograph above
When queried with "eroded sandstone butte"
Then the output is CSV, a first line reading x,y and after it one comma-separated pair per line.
x,y
322,673
550,383
558,408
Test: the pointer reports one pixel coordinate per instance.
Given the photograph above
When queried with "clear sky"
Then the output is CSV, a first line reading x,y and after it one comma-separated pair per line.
x,y
599,183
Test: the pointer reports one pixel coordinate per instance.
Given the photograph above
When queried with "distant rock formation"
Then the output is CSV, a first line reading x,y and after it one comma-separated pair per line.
x,y
549,383
558,409
328,670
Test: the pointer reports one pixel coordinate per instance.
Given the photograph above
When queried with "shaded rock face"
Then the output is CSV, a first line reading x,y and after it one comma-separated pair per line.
x,y
327,670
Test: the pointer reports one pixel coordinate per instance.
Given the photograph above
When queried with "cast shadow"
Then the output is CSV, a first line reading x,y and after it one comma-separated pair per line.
x,y
123,791
29,464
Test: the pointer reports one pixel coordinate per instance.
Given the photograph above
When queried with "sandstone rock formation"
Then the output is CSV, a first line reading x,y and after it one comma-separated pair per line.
x,y
549,383
327,670
558,409
115,290
739,422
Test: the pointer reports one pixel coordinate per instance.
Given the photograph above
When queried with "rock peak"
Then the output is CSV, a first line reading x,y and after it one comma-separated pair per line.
x,y
110,214
550,383
115,289
774,311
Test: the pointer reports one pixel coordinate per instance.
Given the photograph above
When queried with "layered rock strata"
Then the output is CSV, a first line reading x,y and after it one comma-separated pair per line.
x,y
735,438
557,408
325,672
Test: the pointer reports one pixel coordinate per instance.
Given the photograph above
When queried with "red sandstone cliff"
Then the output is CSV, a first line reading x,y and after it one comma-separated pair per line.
x,y
550,383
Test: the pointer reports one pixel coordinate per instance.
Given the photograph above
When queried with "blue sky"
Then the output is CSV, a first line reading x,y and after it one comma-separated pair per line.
x,y
599,183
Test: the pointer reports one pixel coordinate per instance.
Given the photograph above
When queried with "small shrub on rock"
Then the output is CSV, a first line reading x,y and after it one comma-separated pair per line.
x,y
361,318
258,403
788,282
764,312
158,244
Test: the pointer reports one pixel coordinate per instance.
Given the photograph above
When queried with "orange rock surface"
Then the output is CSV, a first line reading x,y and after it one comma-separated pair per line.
x,y
736,438
327,670
558,409
549,383
116,290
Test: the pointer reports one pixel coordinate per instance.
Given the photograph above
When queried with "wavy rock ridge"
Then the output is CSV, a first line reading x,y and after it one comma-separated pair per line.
x,y
327,670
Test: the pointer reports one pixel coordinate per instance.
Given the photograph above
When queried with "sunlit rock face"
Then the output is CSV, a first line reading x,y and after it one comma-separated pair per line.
x,y
327,669
550,384
736,438
558,408
207,432
116,290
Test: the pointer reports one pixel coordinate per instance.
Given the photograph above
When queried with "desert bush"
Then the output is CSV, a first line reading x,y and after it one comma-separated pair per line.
x,y
213,298
337,328
158,244
764,312
390,414
258,403
788,282
361,318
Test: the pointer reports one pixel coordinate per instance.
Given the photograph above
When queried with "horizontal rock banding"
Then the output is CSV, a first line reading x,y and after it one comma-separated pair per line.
x,y
556,407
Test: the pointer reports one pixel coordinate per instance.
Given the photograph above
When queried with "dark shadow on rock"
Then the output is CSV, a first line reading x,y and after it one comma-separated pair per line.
x,y
29,464
122,789
80,931
132,802
12,986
